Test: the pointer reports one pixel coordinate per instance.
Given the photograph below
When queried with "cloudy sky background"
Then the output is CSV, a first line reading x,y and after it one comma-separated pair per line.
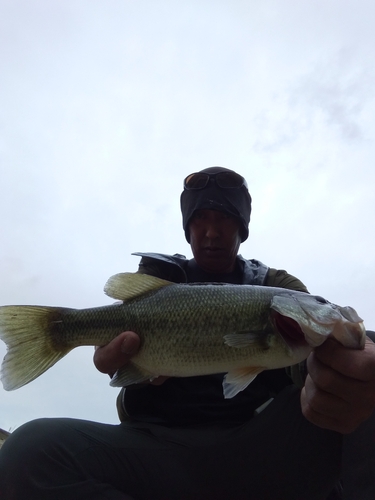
x,y
105,106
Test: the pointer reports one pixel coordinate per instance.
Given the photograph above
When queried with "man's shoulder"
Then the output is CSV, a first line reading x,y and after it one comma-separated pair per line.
x,y
254,271
169,267
269,276
176,258
280,278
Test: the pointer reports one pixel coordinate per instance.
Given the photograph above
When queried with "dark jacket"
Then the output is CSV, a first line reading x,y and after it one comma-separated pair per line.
x,y
254,272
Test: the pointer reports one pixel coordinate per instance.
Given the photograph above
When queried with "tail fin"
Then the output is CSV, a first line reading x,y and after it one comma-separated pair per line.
x,y
27,332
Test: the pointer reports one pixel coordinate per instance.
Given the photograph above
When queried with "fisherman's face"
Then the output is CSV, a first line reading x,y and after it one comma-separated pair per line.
x,y
214,240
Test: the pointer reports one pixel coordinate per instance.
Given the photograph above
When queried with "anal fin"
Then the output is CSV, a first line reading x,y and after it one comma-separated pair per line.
x,y
129,375
236,381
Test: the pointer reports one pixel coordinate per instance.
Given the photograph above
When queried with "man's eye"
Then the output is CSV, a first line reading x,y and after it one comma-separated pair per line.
x,y
198,215
225,216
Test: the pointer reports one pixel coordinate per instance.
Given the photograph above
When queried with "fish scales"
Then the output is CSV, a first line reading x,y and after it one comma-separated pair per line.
x,y
188,331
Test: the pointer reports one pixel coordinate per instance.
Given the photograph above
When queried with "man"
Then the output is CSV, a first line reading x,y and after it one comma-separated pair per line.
x,y
179,439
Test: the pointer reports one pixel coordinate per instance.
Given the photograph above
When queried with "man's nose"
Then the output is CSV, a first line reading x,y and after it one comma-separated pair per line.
x,y
212,231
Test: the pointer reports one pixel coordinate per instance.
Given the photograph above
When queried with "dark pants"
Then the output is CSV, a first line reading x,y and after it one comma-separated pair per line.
x,y
276,455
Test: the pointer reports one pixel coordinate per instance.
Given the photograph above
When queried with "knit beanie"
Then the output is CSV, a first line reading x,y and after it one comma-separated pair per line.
x,y
233,201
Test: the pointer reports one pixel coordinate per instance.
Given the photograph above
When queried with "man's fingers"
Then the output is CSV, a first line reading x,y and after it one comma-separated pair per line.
x,y
112,356
130,343
339,392
356,364
317,414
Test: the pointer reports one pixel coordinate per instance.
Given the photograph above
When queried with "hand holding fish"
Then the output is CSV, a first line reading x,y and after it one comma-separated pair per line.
x,y
339,392
117,353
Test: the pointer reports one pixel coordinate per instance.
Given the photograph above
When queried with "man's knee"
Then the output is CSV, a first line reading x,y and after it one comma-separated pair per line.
x,y
30,441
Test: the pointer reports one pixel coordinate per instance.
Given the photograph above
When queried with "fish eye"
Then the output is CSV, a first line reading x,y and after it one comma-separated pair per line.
x,y
321,300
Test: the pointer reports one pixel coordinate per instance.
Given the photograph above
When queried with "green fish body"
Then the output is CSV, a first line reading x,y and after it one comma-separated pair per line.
x,y
185,330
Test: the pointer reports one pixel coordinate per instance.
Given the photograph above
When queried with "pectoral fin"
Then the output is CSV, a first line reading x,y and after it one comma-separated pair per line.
x,y
236,381
129,375
247,339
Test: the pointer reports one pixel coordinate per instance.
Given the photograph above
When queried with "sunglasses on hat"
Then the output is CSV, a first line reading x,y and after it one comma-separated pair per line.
x,y
224,180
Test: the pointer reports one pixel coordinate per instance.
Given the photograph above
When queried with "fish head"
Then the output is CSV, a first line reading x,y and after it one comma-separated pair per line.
x,y
297,314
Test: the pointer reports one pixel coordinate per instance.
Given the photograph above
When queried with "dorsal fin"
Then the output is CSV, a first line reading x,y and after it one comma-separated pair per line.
x,y
128,286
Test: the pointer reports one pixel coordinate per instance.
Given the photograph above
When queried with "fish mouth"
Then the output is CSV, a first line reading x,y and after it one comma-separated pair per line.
x,y
289,330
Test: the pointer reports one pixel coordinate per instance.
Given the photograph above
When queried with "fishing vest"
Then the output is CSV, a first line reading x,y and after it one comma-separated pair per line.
x,y
254,272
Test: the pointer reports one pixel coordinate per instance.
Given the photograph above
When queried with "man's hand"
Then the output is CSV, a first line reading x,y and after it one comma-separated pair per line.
x,y
339,392
109,358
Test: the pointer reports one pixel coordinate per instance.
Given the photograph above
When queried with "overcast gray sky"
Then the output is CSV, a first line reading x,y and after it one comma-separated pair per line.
x,y
105,106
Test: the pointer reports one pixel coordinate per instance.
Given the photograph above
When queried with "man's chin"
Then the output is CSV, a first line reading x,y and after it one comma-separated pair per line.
x,y
213,262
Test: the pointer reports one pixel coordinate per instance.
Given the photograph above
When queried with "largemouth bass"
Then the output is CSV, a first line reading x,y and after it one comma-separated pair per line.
x,y
185,330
